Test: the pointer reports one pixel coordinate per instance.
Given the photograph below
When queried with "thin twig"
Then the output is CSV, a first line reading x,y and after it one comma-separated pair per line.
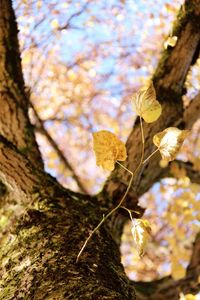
x,y
150,156
129,211
104,219
62,157
123,198
132,211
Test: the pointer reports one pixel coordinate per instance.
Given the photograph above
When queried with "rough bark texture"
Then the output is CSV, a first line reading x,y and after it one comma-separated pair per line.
x,y
45,225
38,257
14,122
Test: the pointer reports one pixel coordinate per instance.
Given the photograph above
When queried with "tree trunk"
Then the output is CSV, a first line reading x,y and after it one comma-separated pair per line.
x,y
38,257
46,225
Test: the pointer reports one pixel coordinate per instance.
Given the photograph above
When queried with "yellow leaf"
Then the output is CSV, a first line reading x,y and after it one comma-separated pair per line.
x,y
191,297
171,41
141,232
163,163
54,23
71,75
187,297
169,141
144,103
178,271
108,149
39,4
27,57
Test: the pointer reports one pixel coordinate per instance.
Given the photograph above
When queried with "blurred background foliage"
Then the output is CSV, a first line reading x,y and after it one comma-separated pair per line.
x,y
82,61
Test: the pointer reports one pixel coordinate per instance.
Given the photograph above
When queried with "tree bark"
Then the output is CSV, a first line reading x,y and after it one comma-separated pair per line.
x,y
46,225
14,121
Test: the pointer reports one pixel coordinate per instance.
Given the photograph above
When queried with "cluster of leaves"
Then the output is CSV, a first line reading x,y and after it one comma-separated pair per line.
x,y
109,150
74,74
173,210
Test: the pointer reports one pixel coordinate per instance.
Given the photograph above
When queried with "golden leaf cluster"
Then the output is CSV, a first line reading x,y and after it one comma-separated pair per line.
x,y
182,217
109,149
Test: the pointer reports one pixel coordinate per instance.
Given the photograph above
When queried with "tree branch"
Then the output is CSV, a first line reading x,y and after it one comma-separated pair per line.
x,y
16,173
68,25
192,112
169,81
195,257
60,154
14,122
193,174
168,288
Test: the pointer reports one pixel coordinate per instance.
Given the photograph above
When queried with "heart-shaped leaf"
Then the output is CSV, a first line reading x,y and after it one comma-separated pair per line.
x,y
169,142
108,149
141,232
144,103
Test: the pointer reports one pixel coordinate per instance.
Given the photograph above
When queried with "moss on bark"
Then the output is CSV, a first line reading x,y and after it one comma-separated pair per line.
x,y
38,258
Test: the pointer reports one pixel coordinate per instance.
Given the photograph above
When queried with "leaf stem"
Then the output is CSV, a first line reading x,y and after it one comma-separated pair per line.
x,y
150,156
123,198
130,214
124,167
105,218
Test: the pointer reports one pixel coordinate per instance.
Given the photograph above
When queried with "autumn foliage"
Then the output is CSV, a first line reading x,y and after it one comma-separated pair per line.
x,y
87,69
